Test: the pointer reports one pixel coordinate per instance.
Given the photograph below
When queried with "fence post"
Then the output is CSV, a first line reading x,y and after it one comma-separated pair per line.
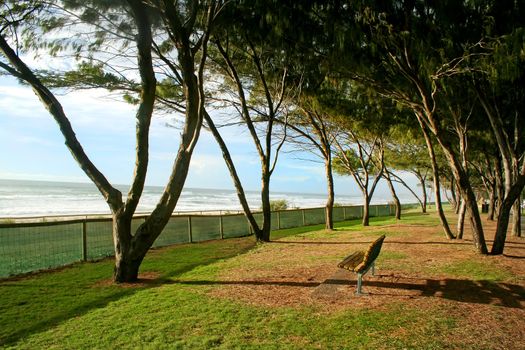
x,y
377,210
84,240
344,213
221,229
304,218
278,220
190,235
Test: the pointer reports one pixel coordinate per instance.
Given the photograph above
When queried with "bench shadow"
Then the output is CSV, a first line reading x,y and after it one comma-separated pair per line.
x,y
465,291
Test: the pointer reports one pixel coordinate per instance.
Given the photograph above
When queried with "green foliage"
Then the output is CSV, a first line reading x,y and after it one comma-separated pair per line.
x,y
278,204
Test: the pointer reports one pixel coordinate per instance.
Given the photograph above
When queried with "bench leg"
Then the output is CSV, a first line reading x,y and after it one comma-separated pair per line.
x,y
359,284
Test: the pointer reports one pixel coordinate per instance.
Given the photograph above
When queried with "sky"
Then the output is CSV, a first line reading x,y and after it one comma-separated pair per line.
x,y
32,147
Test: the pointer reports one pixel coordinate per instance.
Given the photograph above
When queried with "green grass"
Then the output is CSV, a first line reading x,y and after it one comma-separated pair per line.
x,y
478,270
65,309
73,309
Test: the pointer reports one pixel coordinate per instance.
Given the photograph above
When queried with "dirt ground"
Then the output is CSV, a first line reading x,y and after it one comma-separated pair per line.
x,y
302,271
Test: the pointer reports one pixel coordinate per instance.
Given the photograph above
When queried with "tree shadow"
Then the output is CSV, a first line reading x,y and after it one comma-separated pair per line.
x,y
368,242
34,313
465,291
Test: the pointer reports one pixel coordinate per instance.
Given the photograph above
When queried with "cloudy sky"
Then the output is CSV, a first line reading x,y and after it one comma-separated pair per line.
x,y
32,147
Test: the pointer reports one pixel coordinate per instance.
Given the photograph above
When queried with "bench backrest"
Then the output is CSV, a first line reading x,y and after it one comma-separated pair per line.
x,y
371,254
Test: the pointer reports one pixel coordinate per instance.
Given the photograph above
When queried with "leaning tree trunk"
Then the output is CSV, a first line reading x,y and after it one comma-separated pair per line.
x,y
395,198
501,229
435,175
516,218
492,201
425,198
500,188
329,211
461,219
233,174
457,200
512,195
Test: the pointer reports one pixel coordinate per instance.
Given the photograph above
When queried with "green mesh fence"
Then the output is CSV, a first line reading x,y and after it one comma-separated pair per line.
x,y
353,212
290,218
205,228
338,214
31,247
99,239
314,216
234,226
383,210
176,231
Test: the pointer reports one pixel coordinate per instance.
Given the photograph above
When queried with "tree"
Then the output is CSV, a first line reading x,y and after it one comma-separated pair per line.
x,y
176,23
363,163
404,51
406,152
250,56
500,90
311,129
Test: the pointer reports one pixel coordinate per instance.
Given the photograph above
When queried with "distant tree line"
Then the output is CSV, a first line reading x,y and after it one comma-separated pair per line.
x,y
372,88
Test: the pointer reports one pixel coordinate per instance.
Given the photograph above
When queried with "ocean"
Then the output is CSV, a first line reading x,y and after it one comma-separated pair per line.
x,y
21,198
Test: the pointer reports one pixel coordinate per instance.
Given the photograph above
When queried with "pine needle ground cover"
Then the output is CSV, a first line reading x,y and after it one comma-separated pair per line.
x,y
428,293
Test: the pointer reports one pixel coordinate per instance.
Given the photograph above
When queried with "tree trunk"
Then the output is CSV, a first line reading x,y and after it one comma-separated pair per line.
x,y
492,202
435,175
457,197
425,198
233,174
330,200
461,219
501,229
126,264
395,198
366,209
511,197
472,208
500,190
264,234
516,218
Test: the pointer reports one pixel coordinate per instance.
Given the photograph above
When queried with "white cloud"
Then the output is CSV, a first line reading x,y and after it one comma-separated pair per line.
x,y
313,168
206,164
292,178
41,177
32,140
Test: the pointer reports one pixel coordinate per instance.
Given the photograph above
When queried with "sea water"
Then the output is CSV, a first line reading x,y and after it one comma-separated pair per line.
x,y
21,198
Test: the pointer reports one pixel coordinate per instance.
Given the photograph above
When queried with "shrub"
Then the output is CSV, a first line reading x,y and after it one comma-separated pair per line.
x,y
278,204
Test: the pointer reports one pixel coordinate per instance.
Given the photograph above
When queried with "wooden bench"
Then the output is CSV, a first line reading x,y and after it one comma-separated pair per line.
x,y
362,261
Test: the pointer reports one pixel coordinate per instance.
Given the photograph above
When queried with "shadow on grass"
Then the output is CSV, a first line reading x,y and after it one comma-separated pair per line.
x,y
387,242
36,304
368,242
466,291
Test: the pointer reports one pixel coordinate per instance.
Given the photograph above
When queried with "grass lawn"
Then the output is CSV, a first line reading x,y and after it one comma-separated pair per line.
x,y
428,293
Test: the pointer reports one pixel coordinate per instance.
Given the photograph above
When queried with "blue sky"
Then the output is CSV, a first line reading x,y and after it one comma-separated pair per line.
x,y
33,148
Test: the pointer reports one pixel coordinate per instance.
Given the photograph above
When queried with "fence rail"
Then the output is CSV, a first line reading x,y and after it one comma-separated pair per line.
x,y
32,246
